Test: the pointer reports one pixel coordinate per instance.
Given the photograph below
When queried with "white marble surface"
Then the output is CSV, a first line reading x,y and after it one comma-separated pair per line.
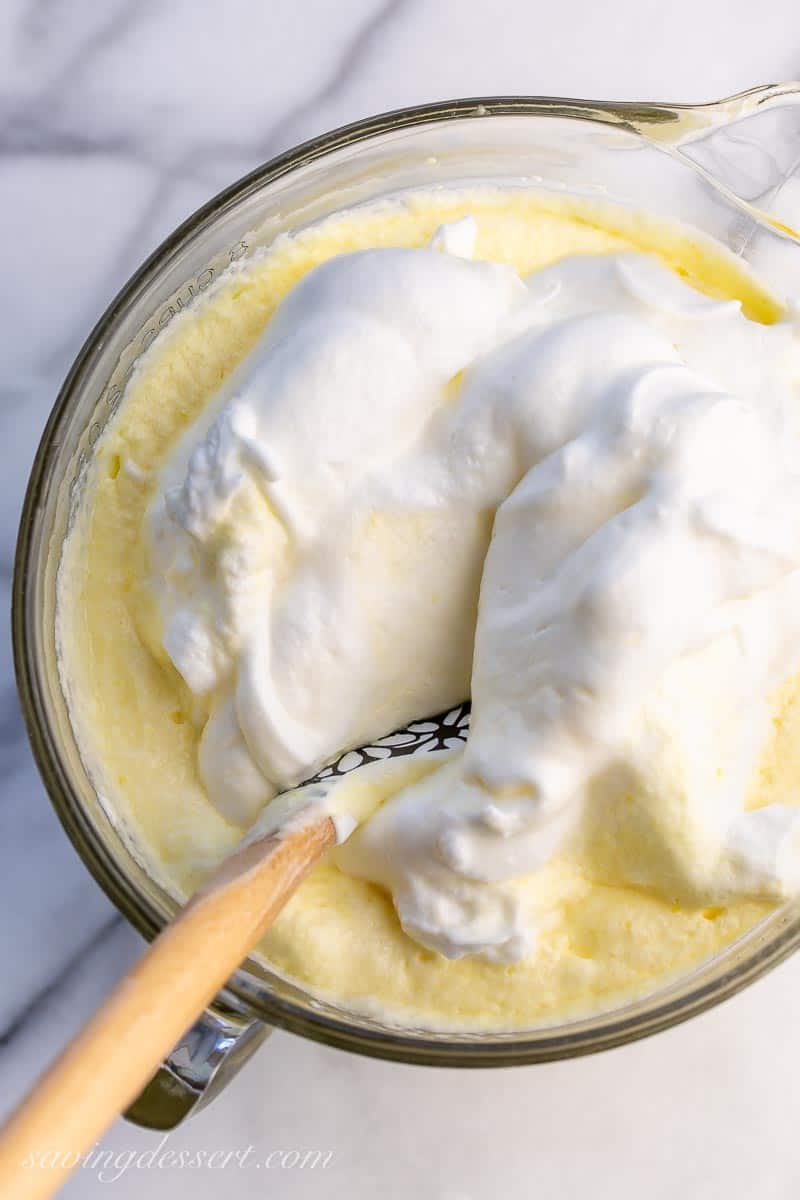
x,y
116,120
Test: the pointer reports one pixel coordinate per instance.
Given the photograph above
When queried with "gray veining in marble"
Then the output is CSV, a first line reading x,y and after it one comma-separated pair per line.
x,y
117,119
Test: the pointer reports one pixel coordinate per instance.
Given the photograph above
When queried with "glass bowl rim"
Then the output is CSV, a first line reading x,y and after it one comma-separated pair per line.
x,y
542,1044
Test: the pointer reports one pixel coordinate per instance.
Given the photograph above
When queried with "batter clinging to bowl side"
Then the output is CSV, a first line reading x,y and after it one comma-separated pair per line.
x,y
491,442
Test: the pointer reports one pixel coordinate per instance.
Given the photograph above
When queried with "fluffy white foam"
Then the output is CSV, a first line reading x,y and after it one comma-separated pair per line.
x,y
606,457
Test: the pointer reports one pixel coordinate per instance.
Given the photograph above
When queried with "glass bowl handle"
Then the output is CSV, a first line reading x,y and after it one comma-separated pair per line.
x,y
203,1063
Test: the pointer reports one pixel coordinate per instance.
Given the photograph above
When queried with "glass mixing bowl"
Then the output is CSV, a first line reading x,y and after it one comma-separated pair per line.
x,y
726,168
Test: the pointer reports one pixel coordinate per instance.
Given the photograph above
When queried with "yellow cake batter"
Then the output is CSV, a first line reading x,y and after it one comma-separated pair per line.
x,y
138,724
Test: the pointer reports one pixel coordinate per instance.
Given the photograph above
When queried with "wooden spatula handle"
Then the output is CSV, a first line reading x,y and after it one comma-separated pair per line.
x,y
122,1045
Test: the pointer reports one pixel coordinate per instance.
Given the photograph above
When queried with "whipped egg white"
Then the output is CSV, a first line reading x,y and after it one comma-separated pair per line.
x,y
573,497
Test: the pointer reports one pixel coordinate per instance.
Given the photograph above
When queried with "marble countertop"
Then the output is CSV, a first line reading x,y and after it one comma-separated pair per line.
x,y
117,120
